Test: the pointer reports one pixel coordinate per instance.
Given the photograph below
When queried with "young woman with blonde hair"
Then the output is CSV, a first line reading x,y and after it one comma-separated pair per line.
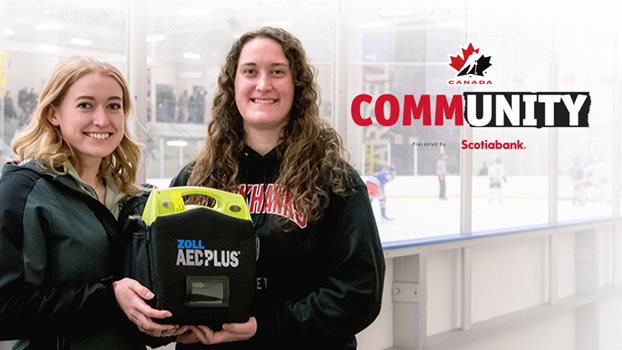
x,y
59,201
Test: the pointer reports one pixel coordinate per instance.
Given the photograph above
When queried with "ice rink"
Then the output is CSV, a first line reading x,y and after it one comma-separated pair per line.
x,y
418,213
413,204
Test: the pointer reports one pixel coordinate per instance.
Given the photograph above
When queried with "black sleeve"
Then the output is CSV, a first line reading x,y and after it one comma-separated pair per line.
x,y
27,308
349,298
182,178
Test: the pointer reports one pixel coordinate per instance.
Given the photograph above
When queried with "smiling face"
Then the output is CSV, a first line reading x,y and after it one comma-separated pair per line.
x,y
264,86
91,118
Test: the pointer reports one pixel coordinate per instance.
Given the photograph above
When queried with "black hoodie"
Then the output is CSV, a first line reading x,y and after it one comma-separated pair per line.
x,y
319,284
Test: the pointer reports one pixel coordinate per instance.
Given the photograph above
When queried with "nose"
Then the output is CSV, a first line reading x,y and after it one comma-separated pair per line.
x,y
100,117
264,83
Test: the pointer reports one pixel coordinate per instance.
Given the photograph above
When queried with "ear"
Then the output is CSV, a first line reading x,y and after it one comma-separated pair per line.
x,y
52,116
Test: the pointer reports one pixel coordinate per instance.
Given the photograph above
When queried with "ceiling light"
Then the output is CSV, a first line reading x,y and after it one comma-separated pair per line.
x,y
191,56
378,24
396,13
156,37
81,41
193,12
8,31
177,143
48,26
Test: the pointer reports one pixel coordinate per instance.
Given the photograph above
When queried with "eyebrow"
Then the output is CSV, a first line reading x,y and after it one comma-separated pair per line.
x,y
112,98
271,64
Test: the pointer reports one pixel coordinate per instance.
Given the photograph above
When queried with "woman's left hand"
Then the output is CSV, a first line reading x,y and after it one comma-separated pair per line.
x,y
230,332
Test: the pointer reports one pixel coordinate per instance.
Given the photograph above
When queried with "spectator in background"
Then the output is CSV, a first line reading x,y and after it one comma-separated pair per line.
x,y
26,100
9,107
441,173
196,105
484,169
182,107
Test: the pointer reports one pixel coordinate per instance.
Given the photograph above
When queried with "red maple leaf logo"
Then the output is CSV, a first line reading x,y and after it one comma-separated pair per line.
x,y
458,62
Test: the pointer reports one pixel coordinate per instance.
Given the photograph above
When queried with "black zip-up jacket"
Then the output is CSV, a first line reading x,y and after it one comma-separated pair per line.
x,y
318,285
56,265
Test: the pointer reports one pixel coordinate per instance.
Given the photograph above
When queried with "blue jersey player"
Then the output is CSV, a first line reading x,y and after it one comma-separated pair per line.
x,y
375,188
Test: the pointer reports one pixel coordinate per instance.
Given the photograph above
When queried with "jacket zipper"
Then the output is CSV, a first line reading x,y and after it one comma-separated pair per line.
x,y
62,343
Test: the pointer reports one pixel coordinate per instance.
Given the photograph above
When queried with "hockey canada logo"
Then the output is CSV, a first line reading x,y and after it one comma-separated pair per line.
x,y
470,67
475,108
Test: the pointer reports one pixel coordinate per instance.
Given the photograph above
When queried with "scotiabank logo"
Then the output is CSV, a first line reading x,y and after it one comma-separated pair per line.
x,y
470,67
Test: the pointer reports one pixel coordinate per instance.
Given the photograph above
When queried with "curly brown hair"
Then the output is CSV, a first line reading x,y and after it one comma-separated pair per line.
x,y
42,142
314,160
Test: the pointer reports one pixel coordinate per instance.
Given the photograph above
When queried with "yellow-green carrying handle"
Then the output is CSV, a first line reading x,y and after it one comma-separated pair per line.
x,y
171,200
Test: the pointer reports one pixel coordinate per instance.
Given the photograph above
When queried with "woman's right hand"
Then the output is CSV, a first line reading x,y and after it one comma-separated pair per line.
x,y
131,296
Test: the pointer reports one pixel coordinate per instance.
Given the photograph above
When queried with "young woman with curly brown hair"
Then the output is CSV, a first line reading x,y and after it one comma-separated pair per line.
x,y
320,268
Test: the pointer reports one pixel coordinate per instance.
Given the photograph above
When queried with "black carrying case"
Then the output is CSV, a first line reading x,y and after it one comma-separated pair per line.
x,y
198,261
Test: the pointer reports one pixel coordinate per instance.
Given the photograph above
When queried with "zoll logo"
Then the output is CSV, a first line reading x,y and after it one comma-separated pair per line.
x,y
470,67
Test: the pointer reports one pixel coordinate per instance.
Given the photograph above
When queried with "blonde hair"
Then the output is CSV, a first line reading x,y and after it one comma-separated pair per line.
x,y
42,142
314,159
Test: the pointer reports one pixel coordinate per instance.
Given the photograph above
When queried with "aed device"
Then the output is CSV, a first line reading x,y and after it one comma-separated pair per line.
x,y
199,261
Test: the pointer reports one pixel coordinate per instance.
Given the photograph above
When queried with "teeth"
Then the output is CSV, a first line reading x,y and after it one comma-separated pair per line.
x,y
260,101
99,136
